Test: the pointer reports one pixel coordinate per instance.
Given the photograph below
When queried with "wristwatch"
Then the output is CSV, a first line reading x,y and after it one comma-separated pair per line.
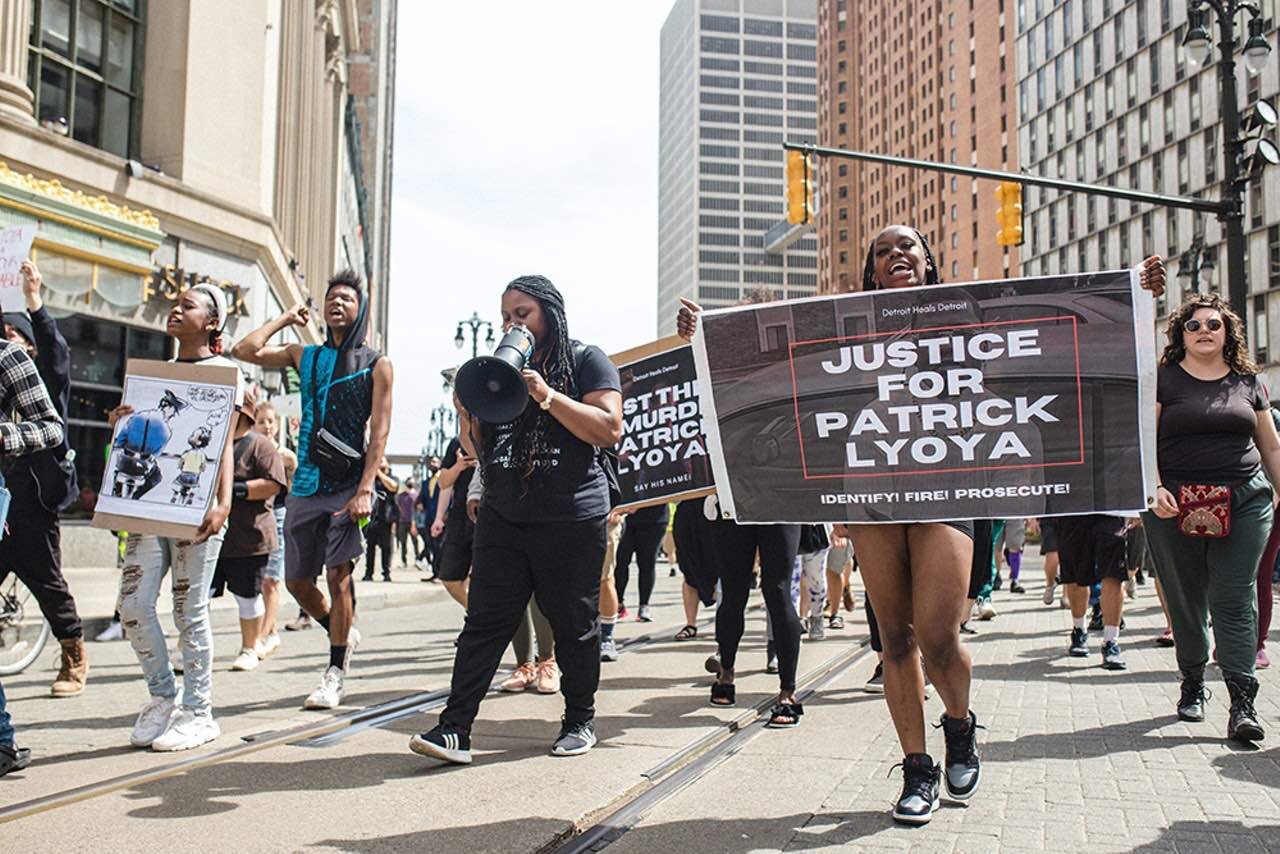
x,y
545,403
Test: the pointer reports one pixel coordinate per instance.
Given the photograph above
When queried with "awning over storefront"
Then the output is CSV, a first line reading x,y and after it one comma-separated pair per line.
x,y
84,243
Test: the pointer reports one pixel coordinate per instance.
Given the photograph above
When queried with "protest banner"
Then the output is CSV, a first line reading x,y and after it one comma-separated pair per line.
x,y
15,246
662,456
162,471
1001,399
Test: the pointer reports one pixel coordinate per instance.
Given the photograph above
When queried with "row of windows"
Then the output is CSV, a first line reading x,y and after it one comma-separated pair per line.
x,y
757,27
771,69
726,134
732,117
719,203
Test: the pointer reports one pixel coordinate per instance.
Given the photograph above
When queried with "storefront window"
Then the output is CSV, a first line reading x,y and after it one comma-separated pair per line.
x,y
99,351
83,68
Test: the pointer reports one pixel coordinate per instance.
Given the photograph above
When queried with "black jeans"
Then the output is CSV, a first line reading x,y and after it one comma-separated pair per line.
x,y
377,535
32,550
640,541
558,562
403,538
777,545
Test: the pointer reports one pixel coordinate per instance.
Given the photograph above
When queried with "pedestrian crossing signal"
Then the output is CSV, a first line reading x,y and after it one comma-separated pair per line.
x,y
1009,216
799,188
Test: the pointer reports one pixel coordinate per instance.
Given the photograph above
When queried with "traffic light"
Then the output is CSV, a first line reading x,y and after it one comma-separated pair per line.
x,y
799,188
1009,216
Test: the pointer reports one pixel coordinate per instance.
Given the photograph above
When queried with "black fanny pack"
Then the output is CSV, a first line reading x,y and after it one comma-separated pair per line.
x,y
335,458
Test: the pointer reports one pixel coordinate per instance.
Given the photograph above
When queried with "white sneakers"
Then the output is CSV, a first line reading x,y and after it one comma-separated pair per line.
x,y
268,645
152,722
353,641
1049,590
188,730
246,660
329,694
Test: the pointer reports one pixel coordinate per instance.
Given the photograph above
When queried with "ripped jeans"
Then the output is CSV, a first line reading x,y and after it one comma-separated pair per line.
x,y
147,560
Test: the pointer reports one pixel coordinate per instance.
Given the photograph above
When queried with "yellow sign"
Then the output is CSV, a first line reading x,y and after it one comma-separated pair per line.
x,y
169,282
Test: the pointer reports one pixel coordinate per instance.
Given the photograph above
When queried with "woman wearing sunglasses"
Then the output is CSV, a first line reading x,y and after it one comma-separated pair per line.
x,y
1218,454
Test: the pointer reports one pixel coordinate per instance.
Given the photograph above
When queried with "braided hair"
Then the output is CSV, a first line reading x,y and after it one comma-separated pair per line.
x,y
931,276
216,344
555,361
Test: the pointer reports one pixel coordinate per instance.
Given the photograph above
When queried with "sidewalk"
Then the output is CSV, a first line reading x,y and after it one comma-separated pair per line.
x,y
1075,758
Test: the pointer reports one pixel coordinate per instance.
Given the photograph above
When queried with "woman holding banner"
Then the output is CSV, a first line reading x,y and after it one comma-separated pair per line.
x,y
736,546
1218,456
540,528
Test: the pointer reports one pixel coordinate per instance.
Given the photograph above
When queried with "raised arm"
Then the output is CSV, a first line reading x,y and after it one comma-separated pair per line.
x,y
255,349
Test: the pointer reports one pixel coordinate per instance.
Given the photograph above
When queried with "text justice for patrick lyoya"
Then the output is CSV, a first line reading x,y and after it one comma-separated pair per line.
x,y
907,404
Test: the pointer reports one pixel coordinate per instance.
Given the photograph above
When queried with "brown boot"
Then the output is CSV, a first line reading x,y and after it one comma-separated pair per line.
x,y
75,667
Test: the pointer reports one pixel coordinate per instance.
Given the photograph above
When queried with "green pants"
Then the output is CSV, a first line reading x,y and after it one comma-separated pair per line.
x,y
1205,577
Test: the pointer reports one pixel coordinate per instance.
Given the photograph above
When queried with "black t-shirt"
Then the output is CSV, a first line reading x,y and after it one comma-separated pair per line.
x,y
568,484
1206,427
457,515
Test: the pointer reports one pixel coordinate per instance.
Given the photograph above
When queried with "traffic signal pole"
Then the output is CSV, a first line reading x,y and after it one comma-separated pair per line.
x,y
1185,202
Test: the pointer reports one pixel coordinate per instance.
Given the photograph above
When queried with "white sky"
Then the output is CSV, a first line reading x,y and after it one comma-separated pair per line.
x,y
526,142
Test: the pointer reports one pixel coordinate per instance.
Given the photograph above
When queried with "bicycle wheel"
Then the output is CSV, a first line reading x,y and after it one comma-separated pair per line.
x,y
23,630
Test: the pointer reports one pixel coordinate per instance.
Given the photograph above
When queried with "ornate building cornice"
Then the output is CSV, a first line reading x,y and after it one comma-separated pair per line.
x,y
52,189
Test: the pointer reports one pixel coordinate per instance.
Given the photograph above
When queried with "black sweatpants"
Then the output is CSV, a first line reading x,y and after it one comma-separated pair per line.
x,y
377,535
777,545
558,562
639,540
983,553
32,550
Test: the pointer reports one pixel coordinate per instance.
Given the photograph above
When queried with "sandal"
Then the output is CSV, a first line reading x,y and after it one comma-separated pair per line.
x,y
1166,638
785,716
723,694
835,621
687,633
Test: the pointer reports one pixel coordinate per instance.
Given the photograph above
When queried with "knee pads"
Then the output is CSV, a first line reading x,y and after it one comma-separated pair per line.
x,y
251,607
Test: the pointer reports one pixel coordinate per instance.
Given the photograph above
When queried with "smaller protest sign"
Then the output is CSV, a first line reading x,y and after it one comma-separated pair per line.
x,y
663,453
162,472
15,246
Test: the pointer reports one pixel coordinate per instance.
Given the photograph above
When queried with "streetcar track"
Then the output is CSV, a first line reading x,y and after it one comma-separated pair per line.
x,y
322,733
694,761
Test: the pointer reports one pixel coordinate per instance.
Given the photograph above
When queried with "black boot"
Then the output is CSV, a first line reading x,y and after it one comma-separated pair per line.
x,y
1244,725
1194,694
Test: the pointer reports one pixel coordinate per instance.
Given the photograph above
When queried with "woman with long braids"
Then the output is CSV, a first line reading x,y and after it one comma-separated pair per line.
x,y
737,546
540,528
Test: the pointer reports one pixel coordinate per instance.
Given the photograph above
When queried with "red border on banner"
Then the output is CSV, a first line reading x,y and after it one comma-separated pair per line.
x,y
795,397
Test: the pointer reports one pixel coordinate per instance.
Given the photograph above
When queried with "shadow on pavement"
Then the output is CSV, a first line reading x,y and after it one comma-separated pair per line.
x,y
1214,836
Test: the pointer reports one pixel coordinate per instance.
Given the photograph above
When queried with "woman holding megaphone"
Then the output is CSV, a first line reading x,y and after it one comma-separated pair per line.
x,y
540,529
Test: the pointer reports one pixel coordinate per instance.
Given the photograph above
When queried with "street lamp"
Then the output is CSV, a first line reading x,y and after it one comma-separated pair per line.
x,y
443,423
476,324
1196,259
1239,170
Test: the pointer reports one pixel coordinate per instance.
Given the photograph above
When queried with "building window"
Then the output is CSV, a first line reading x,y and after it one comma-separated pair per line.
x,y
84,68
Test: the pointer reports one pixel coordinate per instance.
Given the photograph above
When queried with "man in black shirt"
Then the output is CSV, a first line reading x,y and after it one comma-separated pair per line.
x,y
43,484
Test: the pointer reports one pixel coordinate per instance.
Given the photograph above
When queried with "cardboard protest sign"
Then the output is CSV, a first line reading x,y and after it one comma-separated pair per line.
x,y
994,399
15,246
162,472
662,456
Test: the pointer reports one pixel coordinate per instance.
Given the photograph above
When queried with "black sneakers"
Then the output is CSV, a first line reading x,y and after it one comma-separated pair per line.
x,y
1191,703
574,739
1111,657
920,782
1079,647
961,769
443,742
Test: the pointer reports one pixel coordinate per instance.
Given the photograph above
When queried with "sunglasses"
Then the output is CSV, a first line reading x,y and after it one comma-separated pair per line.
x,y
1213,324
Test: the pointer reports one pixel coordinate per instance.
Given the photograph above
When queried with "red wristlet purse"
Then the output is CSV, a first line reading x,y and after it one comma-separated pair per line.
x,y
1204,510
